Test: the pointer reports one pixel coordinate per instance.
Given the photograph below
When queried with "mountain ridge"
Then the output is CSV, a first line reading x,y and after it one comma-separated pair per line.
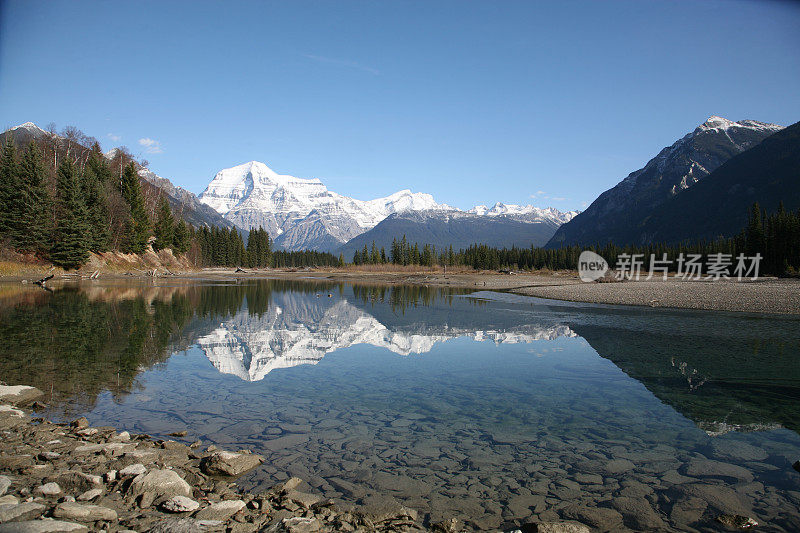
x,y
302,213
614,216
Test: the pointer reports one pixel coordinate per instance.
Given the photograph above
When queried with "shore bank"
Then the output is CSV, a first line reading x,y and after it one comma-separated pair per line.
x,y
764,295
73,477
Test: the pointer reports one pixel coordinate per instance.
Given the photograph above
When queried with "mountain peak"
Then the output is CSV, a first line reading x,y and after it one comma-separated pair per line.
x,y
715,122
30,127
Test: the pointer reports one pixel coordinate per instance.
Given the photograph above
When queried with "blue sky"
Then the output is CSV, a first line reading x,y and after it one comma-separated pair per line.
x,y
473,102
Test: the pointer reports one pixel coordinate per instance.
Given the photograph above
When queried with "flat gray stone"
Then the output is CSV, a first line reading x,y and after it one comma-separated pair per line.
x,y
84,512
43,526
48,489
11,417
180,504
19,394
107,448
299,524
220,510
303,499
21,511
160,483
78,482
90,495
133,470
5,482
187,525
560,527
222,463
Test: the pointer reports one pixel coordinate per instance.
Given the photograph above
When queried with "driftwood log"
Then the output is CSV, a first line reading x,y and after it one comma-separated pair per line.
x,y
44,280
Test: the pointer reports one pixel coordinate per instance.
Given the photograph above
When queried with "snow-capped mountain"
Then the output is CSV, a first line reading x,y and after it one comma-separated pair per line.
x,y
618,214
303,213
297,212
527,212
300,330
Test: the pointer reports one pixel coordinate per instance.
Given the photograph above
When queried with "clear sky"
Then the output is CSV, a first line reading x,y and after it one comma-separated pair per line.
x,y
547,103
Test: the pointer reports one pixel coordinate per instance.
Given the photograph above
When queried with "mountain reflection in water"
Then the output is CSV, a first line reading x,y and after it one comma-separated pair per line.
x,y
485,406
724,371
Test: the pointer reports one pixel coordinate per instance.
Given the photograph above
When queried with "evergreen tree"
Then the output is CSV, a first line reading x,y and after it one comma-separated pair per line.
x,y
164,229
32,228
71,243
9,187
181,239
138,224
95,173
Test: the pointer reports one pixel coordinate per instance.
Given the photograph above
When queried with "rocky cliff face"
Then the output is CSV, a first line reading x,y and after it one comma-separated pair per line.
x,y
617,214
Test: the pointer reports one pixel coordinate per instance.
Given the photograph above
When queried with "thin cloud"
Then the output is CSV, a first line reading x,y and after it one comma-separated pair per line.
x,y
151,146
343,63
544,196
115,138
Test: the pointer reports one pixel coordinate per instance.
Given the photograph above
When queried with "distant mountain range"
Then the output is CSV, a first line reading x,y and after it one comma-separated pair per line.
x,y
303,213
700,187
652,203
501,226
183,202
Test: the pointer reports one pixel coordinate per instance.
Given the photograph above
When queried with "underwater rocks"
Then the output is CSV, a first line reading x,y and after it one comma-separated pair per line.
x,y
76,478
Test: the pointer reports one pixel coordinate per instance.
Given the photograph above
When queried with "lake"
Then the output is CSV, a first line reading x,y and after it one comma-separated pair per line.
x,y
494,408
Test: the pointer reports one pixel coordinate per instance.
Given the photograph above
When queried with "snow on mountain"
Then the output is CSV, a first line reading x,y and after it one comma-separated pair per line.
x,y
534,214
303,213
618,214
297,212
298,331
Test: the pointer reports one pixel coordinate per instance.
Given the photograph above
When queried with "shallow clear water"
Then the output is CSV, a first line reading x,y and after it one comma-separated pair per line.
x,y
494,408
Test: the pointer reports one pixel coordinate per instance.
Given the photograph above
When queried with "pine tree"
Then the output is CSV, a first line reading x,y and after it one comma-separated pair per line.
x,y
95,173
181,240
33,225
9,187
164,229
138,224
71,243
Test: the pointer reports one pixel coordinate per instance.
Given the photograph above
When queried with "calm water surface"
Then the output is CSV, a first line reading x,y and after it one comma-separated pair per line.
x,y
494,408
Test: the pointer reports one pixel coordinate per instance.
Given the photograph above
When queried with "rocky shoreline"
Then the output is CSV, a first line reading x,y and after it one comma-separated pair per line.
x,y
74,478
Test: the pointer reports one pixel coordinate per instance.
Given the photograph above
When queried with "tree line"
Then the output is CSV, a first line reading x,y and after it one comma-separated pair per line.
x,y
775,236
61,199
81,205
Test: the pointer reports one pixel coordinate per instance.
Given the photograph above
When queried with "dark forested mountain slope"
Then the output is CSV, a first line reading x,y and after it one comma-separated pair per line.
x,y
618,214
